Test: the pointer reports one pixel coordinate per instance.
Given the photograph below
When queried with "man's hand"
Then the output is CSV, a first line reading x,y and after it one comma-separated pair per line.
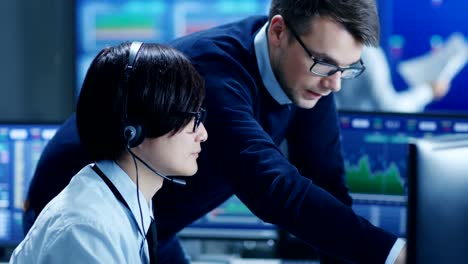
x,y
440,88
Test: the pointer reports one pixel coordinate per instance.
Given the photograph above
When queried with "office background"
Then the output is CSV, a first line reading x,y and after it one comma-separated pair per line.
x,y
47,46
43,50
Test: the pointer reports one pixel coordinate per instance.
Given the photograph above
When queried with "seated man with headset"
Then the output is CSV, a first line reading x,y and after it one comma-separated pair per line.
x,y
139,118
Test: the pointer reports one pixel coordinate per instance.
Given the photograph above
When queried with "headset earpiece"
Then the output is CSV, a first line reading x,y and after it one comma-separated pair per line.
x,y
132,132
133,135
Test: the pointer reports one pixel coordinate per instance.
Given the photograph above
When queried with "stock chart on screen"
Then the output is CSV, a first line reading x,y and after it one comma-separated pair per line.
x,y
21,146
232,220
375,151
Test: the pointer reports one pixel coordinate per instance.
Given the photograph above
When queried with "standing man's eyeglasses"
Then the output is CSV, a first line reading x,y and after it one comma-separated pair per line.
x,y
200,117
325,69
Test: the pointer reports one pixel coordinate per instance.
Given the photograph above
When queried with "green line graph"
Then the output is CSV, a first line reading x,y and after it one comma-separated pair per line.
x,y
361,178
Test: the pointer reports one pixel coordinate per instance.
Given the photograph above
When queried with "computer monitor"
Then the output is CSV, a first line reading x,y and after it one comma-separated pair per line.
x,y
438,200
100,23
21,145
375,152
413,28
231,220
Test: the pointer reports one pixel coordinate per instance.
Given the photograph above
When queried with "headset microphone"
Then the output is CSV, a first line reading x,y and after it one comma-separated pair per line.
x,y
178,181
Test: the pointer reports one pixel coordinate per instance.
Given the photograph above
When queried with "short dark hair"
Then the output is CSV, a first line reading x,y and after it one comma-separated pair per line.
x,y
162,84
359,17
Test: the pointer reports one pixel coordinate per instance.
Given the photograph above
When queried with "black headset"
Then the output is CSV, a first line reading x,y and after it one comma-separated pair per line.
x,y
133,132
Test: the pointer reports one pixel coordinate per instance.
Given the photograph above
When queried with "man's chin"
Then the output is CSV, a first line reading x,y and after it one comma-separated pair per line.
x,y
305,104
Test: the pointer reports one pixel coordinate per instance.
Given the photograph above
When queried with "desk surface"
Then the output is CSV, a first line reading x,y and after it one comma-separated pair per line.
x,y
254,261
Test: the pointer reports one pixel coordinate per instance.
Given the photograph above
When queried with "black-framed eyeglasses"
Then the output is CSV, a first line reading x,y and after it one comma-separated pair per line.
x,y
200,117
325,69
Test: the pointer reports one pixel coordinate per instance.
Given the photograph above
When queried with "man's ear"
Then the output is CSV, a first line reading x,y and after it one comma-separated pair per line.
x,y
277,31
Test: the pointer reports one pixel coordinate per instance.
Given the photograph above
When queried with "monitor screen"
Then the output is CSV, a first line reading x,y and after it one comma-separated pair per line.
x,y
421,63
231,220
100,23
414,28
20,148
437,200
375,152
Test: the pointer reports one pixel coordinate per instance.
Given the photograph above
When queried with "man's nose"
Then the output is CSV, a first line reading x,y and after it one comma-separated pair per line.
x,y
202,133
333,82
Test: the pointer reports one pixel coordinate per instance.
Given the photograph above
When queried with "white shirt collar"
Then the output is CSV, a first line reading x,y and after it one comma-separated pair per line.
x,y
127,189
264,66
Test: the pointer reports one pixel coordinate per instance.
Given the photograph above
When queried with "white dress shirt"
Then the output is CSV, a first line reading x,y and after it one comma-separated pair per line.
x,y
86,223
